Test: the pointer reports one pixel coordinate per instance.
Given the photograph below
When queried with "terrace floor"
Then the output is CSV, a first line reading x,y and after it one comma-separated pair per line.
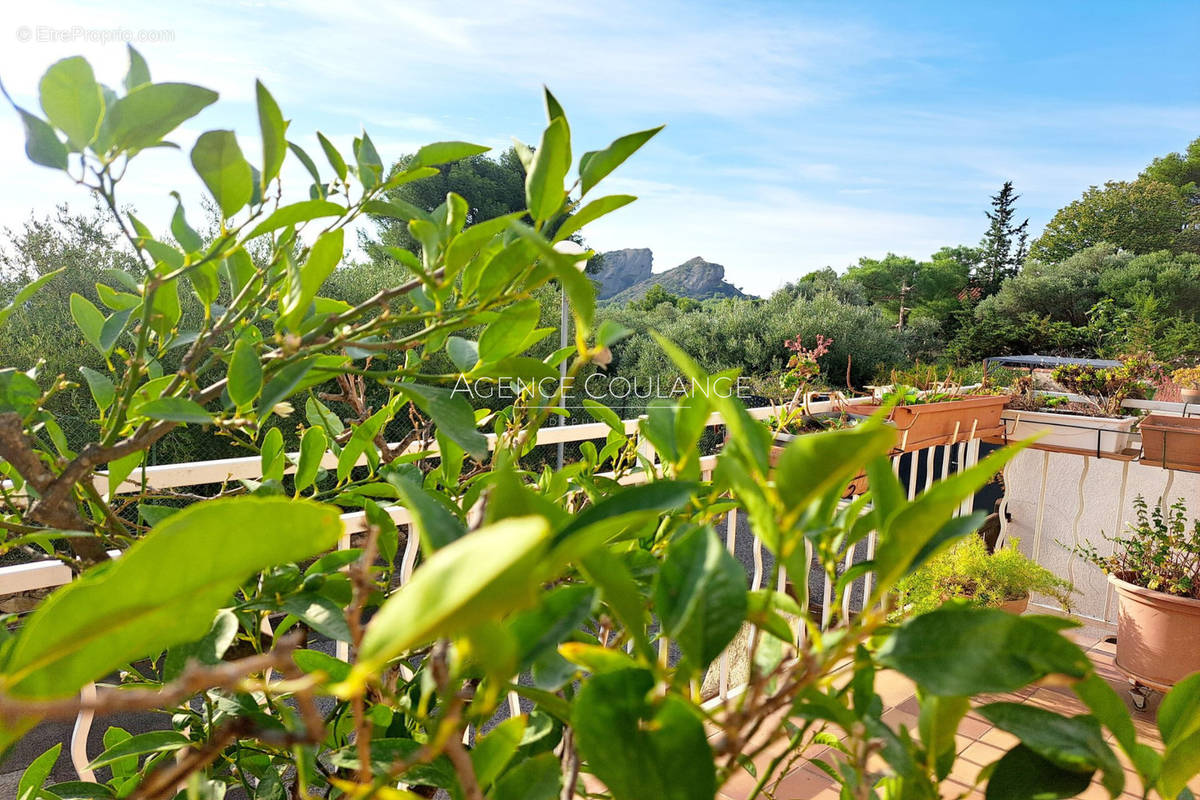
x,y
979,743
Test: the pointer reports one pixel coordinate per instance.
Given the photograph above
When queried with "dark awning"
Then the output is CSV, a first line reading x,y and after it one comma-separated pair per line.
x,y
1048,362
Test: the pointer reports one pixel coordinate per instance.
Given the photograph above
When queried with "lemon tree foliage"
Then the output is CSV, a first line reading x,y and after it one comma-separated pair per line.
x,y
532,633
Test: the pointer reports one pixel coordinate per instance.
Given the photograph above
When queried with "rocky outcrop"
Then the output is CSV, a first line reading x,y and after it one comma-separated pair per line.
x,y
618,270
695,278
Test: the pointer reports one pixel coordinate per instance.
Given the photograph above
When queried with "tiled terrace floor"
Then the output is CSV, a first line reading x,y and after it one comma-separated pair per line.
x,y
979,743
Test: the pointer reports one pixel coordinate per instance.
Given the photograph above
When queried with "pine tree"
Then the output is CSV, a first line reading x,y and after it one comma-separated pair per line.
x,y
1005,245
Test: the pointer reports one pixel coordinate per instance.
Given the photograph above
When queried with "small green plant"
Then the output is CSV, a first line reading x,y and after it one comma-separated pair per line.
x,y
1160,553
1108,387
1187,377
969,572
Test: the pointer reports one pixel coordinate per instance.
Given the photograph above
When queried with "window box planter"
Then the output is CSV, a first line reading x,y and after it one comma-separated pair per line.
x,y
1158,635
1071,431
1171,442
928,424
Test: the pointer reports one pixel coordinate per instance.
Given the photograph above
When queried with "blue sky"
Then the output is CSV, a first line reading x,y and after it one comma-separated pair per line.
x,y
798,135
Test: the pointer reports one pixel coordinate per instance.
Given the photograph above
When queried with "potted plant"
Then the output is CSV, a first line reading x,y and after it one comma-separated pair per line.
x,y
1188,381
1003,579
1093,420
940,416
1155,570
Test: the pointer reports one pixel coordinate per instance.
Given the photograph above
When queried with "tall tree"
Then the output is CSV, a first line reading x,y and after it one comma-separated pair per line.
x,y
1005,245
1141,217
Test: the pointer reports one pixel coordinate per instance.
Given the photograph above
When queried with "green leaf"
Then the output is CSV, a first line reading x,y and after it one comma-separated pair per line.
x,y
1024,775
102,389
322,259
312,451
138,73
473,580
1180,764
957,651
362,441
188,239
245,377
26,293
444,152
72,100
504,336
219,161
1179,712
148,113
812,465
37,773
176,409
163,591
333,156
272,458
295,213
313,660
121,468
623,510
81,790
593,166
42,145
282,384
544,192
18,392
700,595
611,333
319,613
370,167
1073,743
537,778
558,614
463,352
637,749
495,749
273,129
434,523
89,321
451,413
590,213
141,744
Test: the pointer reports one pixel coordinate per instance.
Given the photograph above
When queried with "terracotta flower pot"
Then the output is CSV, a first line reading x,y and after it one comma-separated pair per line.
x,y
1158,635
929,424
1017,606
1189,395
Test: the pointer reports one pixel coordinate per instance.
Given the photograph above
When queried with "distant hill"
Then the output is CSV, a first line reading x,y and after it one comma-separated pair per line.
x,y
625,275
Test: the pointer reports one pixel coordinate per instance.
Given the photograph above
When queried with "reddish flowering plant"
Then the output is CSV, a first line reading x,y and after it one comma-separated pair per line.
x,y
803,366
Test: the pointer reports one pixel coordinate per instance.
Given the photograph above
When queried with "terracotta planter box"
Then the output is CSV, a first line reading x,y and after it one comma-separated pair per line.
x,y
1071,431
858,485
1158,635
930,424
1015,606
1171,442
